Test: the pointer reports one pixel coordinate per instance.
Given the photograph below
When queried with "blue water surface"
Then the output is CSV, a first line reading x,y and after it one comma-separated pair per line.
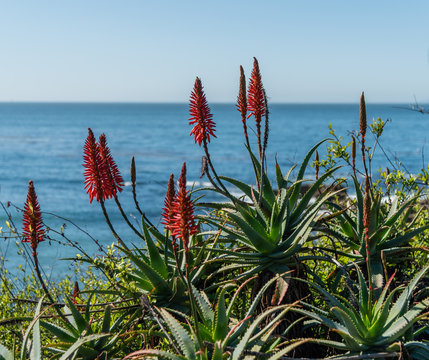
x,y
44,142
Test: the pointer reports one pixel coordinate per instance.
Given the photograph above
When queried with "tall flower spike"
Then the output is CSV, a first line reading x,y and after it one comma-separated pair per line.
x,y
241,99
242,103
256,100
354,154
184,222
362,118
168,209
201,117
362,128
32,230
112,174
96,183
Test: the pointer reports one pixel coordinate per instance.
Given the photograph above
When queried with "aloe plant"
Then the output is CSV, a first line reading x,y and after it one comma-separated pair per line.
x,y
391,229
156,271
273,227
83,338
222,335
372,325
30,348
76,336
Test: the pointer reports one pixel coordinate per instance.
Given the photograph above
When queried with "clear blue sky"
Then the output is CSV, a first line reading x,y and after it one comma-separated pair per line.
x,y
151,51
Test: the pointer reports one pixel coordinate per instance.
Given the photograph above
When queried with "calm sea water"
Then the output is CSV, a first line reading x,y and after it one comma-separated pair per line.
x,y
44,142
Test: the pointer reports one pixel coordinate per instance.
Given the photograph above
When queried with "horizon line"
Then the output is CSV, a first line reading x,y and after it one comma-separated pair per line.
x,y
103,102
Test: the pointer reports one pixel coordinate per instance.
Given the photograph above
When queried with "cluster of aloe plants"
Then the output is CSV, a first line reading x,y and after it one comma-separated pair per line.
x,y
285,270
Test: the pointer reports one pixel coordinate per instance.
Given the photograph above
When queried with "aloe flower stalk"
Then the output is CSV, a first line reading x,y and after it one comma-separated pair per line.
x,y
204,127
133,185
96,180
183,225
34,233
256,101
201,117
242,103
366,225
115,180
103,179
362,129
168,209
112,174
354,155
32,230
362,118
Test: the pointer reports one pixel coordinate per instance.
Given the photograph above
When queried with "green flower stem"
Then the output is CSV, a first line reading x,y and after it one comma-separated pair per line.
x,y
206,150
193,306
118,204
112,229
45,288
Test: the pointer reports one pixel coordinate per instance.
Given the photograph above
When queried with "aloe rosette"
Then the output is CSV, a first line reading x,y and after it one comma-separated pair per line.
x,y
82,337
223,335
154,271
274,226
76,336
369,326
390,232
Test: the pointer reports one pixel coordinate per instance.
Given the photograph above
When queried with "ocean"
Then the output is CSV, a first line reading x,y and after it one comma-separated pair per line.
x,y
44,142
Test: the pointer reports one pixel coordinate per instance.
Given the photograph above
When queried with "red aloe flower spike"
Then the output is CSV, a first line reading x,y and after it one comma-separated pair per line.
x,y
95,178
112,174
32,229
256,99
33,232
184,222
201,117
168,209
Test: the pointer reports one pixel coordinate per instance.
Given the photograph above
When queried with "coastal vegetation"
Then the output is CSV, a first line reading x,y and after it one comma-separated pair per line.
x,y
307,264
